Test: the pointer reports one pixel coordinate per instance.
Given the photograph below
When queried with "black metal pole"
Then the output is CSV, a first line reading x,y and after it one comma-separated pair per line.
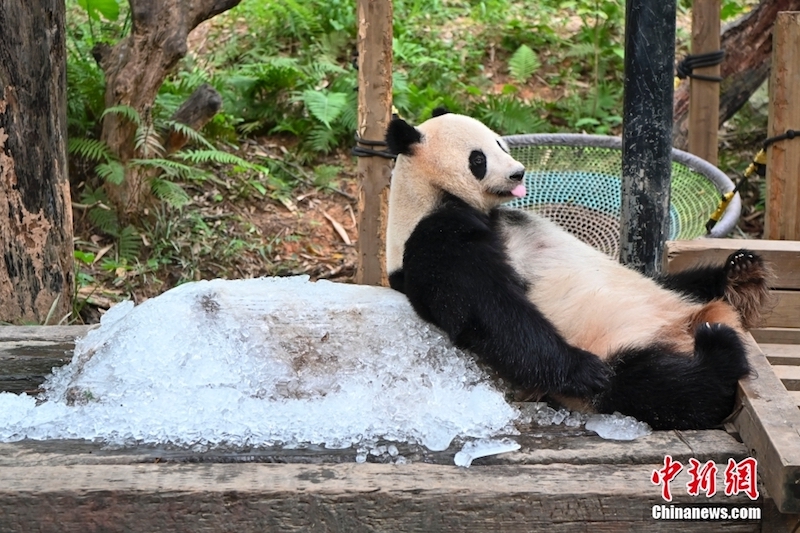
x,y
647,132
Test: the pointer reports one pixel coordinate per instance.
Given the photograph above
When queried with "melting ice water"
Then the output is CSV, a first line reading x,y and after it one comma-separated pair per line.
x,y
264,362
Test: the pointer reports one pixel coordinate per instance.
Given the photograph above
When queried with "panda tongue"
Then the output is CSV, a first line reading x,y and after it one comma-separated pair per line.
x,y
518,191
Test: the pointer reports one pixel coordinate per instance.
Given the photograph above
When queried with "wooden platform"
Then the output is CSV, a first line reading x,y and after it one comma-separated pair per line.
x,y
560,480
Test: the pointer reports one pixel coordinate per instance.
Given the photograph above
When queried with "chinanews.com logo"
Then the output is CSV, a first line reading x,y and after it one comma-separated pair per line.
x,y
738,478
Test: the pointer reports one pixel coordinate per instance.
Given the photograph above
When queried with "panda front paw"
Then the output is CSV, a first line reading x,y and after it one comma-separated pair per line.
x,y
587,377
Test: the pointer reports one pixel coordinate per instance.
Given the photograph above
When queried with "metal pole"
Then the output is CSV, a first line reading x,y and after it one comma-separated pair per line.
x,y
647,132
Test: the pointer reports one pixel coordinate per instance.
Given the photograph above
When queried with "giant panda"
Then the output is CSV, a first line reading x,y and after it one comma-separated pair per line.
x,y
550,313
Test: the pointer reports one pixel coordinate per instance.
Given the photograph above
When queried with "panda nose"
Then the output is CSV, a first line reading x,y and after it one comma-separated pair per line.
x,y
517,176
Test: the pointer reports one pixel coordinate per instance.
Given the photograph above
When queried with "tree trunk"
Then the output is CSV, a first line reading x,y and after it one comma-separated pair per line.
x,y
748,54
36,274
135,68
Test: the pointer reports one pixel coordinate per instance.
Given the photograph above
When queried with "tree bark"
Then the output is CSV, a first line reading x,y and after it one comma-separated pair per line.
x,y
748,55
135,68
196,112
36,274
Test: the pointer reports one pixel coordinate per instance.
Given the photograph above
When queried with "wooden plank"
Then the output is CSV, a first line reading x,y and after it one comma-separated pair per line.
x,y
374,113
769,424
783,256
781,354
29,353
776,335
795,396
789,376
346,498
782,213
548,445
704,95
786,310
54,334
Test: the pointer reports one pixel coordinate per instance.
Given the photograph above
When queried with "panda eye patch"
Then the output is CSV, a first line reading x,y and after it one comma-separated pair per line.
x,y
502,147
477,164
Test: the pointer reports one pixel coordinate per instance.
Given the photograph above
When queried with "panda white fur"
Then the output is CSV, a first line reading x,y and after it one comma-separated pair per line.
x,y
548,312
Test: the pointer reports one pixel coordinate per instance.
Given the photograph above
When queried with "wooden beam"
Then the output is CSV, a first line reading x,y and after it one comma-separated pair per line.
x,y
769,422
783,256
346,498
704,97
776,335
781,354
782,220
786,310
374,113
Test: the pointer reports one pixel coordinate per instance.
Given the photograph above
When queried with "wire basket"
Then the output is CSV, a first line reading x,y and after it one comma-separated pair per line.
x,y
575,180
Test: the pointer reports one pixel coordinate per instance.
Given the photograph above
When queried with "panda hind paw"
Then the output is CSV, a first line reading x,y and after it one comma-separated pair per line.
x,y
748,279
743,266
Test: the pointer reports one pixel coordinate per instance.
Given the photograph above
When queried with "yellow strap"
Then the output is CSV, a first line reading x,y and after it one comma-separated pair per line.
x,y
723,205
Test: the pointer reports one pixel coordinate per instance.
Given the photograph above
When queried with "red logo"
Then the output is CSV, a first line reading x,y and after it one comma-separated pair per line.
x,y
738,477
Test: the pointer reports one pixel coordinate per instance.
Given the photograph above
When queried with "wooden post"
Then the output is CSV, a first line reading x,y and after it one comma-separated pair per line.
x,y
647,132
374,113
782,220
704,98
36,274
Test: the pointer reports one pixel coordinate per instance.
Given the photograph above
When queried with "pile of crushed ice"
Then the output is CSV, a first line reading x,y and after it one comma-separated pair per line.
x,y
265,362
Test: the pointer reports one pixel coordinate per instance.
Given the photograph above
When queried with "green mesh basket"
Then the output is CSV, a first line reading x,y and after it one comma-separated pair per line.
x,y
574,180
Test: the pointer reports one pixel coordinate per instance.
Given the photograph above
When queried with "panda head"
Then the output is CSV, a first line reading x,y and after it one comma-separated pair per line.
x,y
454,154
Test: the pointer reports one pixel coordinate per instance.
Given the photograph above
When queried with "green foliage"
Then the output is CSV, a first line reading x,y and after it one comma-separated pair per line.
x,y
324,106
523,64
109,9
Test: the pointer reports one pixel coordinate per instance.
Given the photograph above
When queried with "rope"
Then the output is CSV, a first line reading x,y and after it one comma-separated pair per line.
x,y
359,151
790,134
693,61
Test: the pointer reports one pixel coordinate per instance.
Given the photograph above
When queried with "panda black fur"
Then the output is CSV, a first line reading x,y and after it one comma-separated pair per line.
x,y
549,312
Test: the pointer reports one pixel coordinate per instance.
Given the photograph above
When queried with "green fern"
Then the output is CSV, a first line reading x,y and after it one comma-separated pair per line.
x,y
190,133
523,64
169,167
325,107
148,142
349,117
90,149
128,244
105,219
94,196
321,139
125,111
169,192
198,157
112,171
581,50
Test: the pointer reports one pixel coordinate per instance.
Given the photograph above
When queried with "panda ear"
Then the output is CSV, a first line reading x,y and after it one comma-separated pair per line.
x,y
401,137
439,111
